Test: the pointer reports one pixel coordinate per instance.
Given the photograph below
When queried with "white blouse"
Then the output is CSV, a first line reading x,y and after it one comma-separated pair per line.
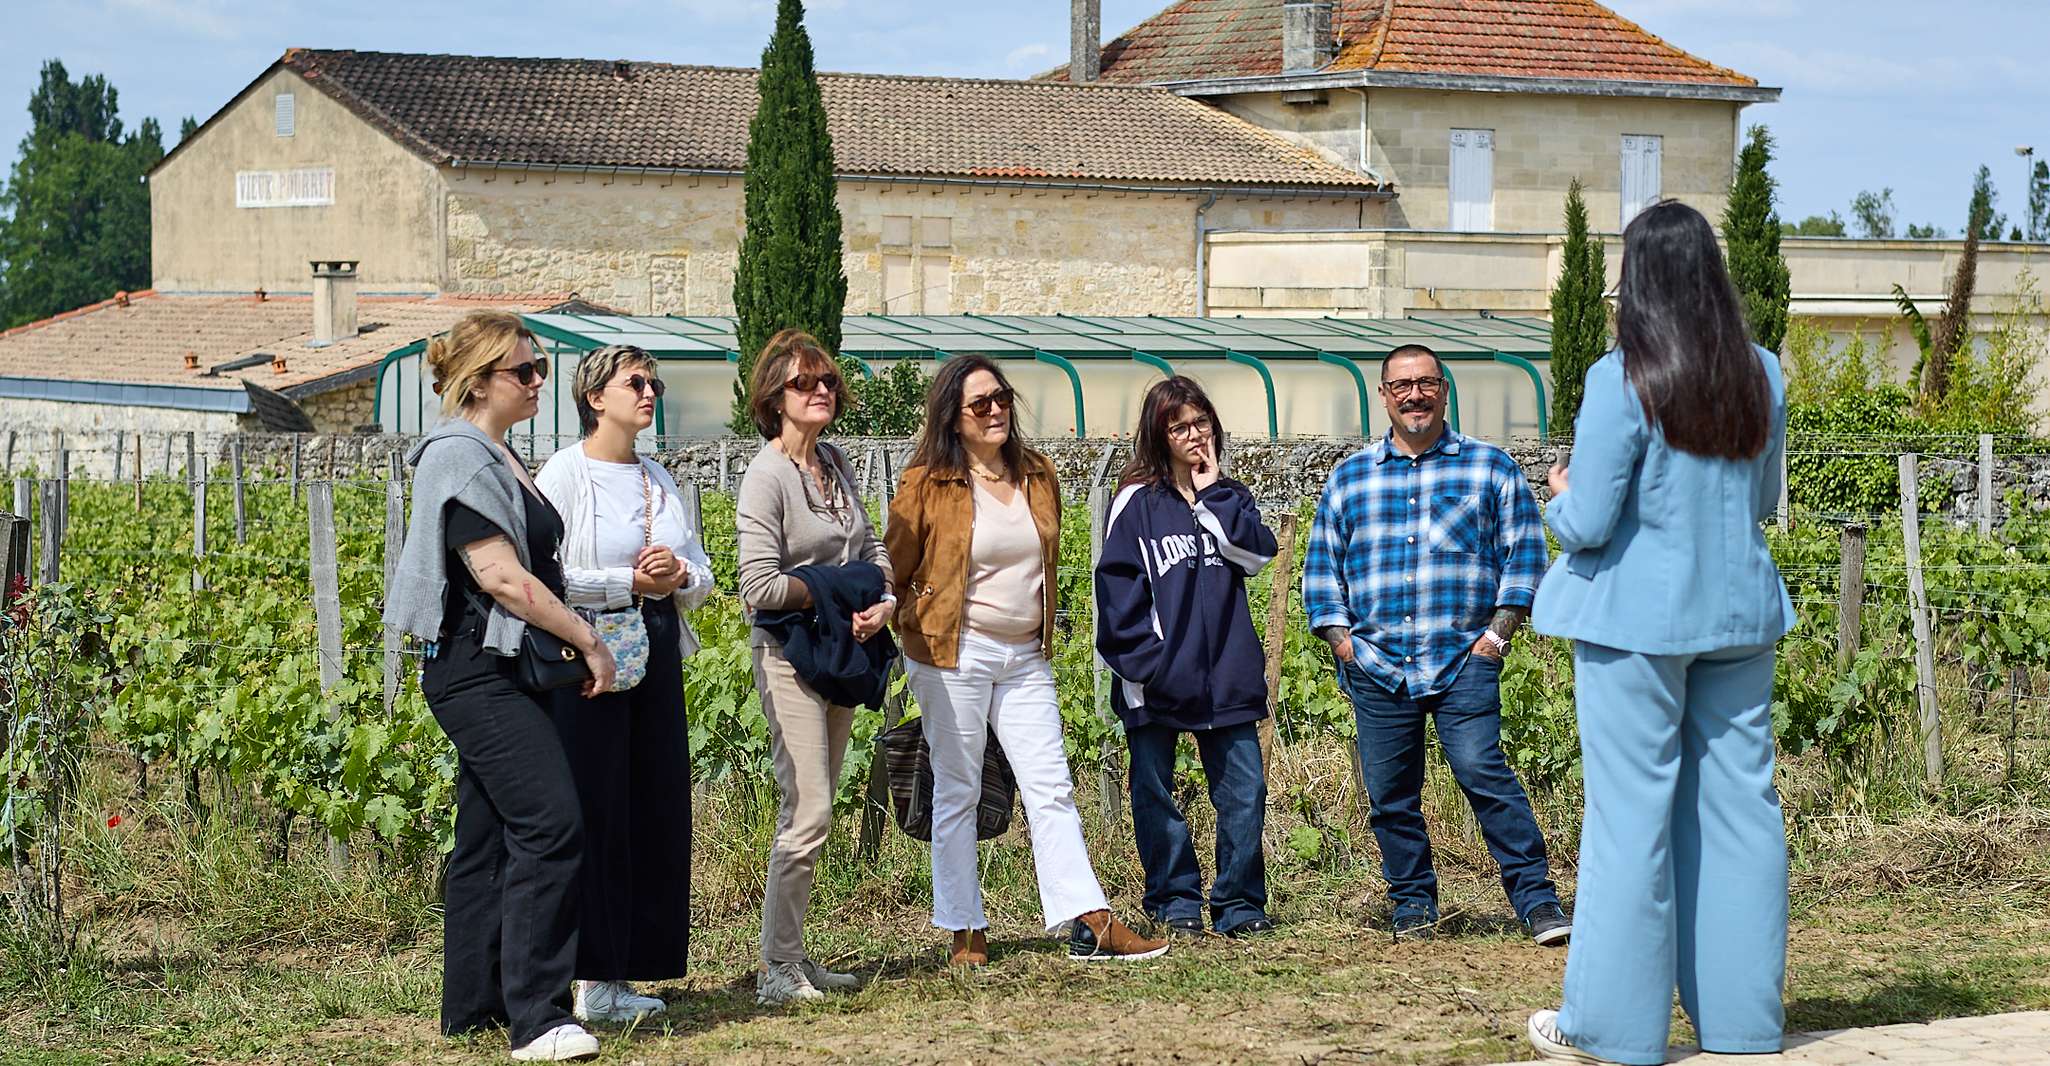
x,y
602,538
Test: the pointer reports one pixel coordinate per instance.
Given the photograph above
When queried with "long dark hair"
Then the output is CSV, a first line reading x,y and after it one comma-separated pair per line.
x,y
1685,345
1152,462
939,443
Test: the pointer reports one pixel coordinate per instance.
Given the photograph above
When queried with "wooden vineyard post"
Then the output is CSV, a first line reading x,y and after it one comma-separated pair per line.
x,y
120,453
722,468
53,530
1850,603
875,806
198,527
24,502
1281,579
138,472
1918,609
14,552
394,542
295,467
241,502
1786,504
1110,793
327,611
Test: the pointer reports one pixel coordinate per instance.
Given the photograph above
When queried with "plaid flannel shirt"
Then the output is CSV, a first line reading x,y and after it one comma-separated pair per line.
x,y
1413,556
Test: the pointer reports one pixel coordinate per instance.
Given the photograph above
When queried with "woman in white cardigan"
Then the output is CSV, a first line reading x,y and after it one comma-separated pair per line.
x,y
628,545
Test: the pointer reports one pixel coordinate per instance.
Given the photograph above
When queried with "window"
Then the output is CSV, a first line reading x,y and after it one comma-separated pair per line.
x,y
917,267
286,114
1640,173
1472,182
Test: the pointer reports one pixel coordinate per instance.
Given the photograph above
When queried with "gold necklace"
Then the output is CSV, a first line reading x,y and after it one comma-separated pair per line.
x,y
1005,476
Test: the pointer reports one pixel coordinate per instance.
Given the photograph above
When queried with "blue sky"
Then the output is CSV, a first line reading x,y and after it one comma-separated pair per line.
x,y
1879,93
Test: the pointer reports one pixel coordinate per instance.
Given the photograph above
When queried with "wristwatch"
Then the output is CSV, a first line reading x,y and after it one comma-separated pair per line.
x,y
1497,641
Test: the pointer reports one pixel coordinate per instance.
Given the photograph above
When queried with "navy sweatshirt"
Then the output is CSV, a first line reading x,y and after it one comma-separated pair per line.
x,y
1172,620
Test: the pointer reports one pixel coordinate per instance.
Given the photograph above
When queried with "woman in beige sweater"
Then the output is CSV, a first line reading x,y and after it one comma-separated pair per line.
x,y
798,507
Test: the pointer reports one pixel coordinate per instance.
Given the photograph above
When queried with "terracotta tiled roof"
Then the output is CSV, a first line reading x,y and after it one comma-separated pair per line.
x,y
1200,39
143,339
603,113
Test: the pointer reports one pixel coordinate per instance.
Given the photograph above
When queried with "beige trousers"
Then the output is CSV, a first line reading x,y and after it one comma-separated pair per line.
x,y
808,741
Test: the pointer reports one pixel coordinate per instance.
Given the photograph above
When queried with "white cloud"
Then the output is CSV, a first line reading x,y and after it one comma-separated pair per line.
x,y
1032,56
1853,74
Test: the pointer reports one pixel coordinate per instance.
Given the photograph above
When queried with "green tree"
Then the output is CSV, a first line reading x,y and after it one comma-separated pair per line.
x,y
790,273
1927,232
1751,228
74,213
1830,225
1580,317
1980,219
1873,212
186,128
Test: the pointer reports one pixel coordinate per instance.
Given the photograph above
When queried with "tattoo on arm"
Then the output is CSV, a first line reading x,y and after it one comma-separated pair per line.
x,y
1507,621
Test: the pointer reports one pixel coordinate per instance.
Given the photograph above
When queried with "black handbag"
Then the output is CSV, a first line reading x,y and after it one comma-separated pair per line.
x,y
907,760
546,662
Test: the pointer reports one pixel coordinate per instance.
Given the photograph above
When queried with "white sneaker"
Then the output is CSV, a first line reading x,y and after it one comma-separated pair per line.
x,y
613,1001
826,980
1551,1044
560,1044
783,982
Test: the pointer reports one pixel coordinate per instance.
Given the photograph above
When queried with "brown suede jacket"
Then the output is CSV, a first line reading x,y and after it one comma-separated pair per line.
x,y
932,522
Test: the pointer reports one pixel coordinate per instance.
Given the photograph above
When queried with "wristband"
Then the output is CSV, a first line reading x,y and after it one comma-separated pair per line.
x,y
1495,640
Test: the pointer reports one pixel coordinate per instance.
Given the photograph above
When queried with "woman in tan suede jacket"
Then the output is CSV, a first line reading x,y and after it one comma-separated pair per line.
x,y
974,536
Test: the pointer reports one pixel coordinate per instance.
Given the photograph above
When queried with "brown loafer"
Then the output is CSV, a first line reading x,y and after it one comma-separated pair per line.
x,y
1098,936
971,948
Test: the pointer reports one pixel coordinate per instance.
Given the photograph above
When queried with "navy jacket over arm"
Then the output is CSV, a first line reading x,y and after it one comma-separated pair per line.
x,y
819,640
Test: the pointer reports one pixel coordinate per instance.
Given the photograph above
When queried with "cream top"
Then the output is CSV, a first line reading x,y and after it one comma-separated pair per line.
x,y
1006,576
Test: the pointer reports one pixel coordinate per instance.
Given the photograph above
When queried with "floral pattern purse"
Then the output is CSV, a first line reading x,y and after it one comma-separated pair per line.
x,y
624,632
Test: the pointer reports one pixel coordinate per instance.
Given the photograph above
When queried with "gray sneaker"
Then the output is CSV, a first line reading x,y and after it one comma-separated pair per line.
x,y
826,980
784,982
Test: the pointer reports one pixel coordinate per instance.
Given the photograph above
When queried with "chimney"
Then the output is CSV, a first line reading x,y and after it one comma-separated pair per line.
x,y
1085,40
334,301
1305,35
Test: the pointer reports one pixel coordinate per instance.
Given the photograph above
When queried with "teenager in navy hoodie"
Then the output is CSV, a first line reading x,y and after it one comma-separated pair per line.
x,y
1173,625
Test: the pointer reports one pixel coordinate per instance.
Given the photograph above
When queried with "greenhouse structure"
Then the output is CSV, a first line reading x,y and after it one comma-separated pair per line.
x,y
1076,376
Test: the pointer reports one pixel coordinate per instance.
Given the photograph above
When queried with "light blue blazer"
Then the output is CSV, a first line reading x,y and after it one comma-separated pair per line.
x,y
1662,550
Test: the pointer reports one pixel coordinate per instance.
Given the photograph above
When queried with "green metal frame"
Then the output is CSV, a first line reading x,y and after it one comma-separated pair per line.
x,y
1536,382
1359,384
1153,361
1266,379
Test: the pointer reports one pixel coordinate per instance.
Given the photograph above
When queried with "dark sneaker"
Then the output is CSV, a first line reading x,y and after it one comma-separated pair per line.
x,y
1100,937
1255,927
1414,925
1548,924
1192,928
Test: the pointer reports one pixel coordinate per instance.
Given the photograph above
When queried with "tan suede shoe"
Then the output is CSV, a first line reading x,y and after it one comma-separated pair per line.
x,y
971,948
1100,937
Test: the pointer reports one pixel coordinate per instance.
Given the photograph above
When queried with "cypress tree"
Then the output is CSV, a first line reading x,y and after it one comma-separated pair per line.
x,y
1751,228
790,273
1580,317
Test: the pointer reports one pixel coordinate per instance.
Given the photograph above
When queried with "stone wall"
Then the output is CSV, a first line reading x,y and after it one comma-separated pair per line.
x,y
341,410
1542,141
656,245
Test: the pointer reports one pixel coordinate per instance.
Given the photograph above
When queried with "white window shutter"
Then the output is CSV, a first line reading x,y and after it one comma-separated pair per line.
x,y
1640,174
286,115
1473,180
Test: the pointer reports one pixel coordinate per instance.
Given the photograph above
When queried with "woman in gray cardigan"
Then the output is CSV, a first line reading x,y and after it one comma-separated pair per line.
x,y
798,507
478,567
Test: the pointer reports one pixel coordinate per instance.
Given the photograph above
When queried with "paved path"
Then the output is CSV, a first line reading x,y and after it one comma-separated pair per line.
x,y
1996,1040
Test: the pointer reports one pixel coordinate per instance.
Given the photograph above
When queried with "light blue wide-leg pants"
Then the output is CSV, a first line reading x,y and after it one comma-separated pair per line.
x,y
1683,855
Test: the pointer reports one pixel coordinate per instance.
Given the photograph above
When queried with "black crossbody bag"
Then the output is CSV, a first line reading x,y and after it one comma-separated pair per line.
x,y
546,662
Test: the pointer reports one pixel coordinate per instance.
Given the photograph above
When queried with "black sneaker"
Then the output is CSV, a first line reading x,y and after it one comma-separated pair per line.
x,y
1253,927
1189,927
1415,925
1548,924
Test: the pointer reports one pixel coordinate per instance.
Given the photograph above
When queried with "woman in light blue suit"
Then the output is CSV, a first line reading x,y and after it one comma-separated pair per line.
x,y
1674,606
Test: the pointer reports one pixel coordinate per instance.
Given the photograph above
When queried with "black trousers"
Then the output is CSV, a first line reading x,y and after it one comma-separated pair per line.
x,y
509,935
630,754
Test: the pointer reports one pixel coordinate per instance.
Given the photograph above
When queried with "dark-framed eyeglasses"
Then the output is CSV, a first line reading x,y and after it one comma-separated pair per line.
x,y
805,383
1199,427
643,382
983,406
526,372
1404,386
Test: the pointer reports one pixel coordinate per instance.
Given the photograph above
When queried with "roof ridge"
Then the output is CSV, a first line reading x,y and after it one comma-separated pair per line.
x,y
121,299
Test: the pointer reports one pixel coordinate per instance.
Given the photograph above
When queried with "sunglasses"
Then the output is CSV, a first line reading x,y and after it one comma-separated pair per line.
x,y
526,372
641,382
804,383
1000,400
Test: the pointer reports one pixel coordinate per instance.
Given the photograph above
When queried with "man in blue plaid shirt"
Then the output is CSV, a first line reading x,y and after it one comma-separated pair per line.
x,y
1423,559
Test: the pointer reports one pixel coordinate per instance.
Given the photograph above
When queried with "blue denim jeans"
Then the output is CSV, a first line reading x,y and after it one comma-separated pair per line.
x,y
1391,742
1238,791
